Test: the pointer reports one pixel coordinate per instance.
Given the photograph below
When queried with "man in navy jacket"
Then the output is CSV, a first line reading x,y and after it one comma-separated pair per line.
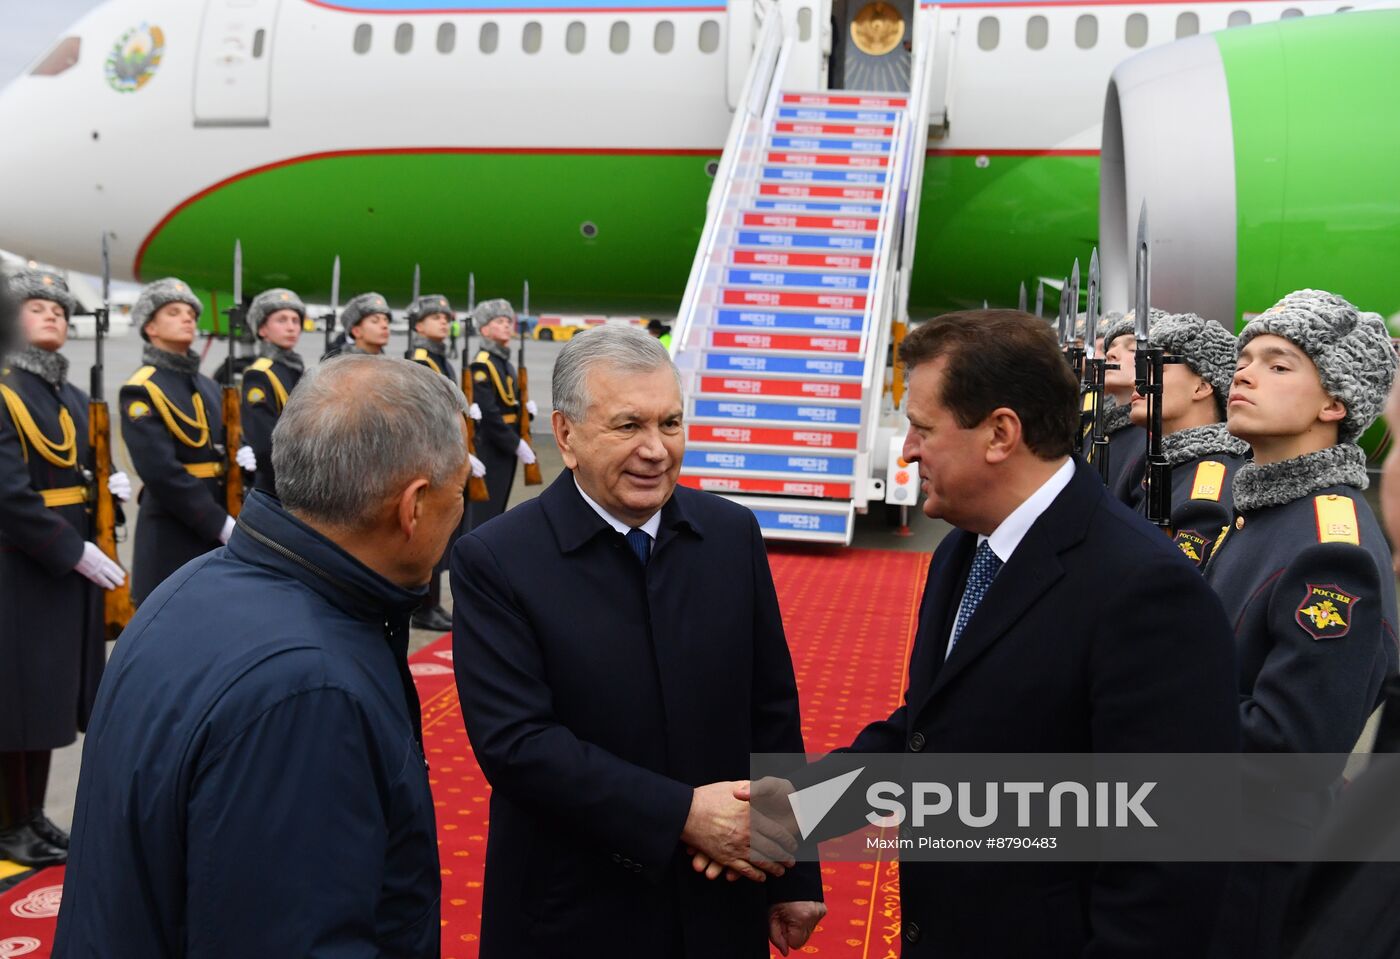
x,y
615,711
253,780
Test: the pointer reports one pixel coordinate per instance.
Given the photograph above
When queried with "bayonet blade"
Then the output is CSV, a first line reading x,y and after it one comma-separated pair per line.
x,y
471,292
1040,298
1021,300
1074,298
1064,312
237,273
1142,302
1091,317
417,277
525,301
335,286
106,272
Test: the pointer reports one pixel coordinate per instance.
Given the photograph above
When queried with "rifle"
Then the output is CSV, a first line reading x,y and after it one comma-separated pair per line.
x,y
1094,370
332,317
1157,477
116,603
417,277
476,485
532,470
232,402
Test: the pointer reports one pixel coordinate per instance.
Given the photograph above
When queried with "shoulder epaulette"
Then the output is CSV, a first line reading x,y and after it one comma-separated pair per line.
x,y
482,357
1336,519
1209,481
262,364
420,354
141,376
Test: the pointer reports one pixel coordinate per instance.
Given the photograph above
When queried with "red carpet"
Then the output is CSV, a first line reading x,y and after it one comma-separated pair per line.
x,y
850,618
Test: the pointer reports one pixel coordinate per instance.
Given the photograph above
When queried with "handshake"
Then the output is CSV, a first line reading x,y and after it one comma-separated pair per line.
x,y
727,834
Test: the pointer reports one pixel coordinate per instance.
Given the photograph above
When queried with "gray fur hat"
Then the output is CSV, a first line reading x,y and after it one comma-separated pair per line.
x,y
366,304
43,285
269,302
488,310
1351,350
426,306
1122,323
1207,347
160,293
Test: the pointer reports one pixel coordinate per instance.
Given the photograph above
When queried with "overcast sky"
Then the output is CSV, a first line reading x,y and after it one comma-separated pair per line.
x,y
29,27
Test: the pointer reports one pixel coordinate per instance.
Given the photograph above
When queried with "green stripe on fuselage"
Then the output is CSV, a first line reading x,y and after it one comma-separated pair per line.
x,y
984,227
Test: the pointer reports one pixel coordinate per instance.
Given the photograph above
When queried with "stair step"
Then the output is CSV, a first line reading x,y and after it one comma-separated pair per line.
x,y
736,385
830,115
825,98
767,436
805,191
809,364
851,161
778,320
805,206
854,302
799,128
787,280
787,174
796,221
805,241
747,484
793,465
835,261
824,345
841,146
777,413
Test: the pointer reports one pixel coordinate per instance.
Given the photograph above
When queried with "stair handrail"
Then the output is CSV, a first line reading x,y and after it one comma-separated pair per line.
x,y
755,100
901,200
926,30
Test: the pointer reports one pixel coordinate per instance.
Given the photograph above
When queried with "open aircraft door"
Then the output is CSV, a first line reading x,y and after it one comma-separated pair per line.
x,y
233,77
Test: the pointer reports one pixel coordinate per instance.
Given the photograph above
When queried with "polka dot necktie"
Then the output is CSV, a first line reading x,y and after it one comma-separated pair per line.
x,y
640,543
985,566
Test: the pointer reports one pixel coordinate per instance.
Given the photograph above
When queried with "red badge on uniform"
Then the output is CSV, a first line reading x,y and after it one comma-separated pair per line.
x,y
1325,612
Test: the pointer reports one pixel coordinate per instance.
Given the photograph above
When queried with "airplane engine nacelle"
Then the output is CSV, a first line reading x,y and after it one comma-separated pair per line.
x,y
1269,157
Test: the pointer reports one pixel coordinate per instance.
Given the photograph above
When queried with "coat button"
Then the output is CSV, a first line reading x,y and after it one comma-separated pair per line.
x,y
1239,522
912,932
916,742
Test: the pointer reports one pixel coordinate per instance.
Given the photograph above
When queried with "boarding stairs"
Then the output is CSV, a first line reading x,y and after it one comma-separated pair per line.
x,y
784,332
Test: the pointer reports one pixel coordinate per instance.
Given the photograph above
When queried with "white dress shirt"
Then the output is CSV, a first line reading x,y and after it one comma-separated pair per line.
x,y
650,527
1008,535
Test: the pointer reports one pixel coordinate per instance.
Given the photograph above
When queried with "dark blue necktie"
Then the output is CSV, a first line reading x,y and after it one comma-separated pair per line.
x,y
640,543
985,566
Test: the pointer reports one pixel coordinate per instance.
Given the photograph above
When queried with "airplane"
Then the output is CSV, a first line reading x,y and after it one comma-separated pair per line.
x,y
573,143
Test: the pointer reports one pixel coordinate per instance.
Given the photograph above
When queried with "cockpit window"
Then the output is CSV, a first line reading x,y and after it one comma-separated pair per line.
x,y
60,58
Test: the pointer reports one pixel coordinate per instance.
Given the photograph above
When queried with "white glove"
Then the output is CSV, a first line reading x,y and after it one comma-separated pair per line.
x,y
119,485
524,453
227,531
531,408
475,412
478,467
99,569
246,458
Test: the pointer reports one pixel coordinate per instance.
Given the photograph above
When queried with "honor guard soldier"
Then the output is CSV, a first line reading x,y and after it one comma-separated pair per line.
x,y
277,316
1202,453
1303,570
431,317
171,425
366,321
52,575
494,386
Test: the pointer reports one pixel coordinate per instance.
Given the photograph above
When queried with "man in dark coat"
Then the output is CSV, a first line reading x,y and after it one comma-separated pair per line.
x,y
51,574
171,423
614,712
430,317
276,316
1020,649
496,391
1303,570
258,782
